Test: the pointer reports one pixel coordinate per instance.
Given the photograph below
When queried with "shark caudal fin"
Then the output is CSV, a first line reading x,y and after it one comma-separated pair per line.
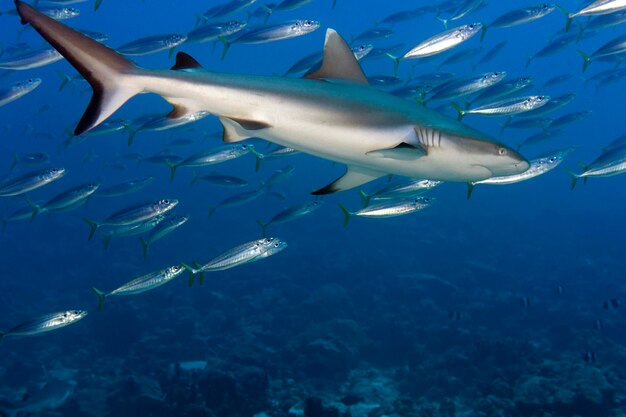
x,y
106,70
101,296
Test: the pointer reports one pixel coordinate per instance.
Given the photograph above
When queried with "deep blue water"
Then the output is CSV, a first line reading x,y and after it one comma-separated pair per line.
x,y
363,310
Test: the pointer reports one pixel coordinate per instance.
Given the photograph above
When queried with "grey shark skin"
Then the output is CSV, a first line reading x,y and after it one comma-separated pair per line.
x,y
332,113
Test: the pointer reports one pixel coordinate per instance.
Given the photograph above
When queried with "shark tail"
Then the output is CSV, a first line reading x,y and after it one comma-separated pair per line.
x,y
586,59
346,215
365,198
93,226
107,71
145,245
101,296
263,227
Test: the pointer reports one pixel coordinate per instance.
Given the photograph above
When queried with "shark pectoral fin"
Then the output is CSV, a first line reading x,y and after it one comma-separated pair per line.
x,y
236,130
338,62
403,151
354,177
185,62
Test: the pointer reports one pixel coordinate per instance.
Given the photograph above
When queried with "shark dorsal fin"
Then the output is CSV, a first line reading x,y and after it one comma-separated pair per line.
x,y
339,62
185,62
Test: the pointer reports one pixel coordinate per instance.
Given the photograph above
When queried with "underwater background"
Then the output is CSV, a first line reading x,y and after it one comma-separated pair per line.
x,y
505,304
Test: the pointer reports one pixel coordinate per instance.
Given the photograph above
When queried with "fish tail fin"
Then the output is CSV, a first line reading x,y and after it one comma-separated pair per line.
x,y
459,109
586,59
200,271
470,189
444,21
191,271
172,169
258,158
199,19
529,60
101,296
65,79
194,178
483,32
106,241
16,160
212,210
145,245
2,334
346,215
93,226
4,224
568,22
263,227
396,62
34,207
97,4
334,4
131,134
69,137
226,44
107,71
365,198
574,177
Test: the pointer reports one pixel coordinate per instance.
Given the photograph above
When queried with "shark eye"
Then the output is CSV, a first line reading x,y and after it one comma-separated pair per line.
x,y
502,151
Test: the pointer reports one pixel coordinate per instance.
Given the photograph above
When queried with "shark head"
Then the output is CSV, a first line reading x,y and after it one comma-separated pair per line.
x,y
498,159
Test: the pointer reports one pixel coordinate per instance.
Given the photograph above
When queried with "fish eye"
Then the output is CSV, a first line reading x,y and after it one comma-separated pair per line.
x,y
502,151
277,244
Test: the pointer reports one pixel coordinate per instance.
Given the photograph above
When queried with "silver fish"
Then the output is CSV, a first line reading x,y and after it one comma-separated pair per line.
x,y
611,162
225,9
159,123
221,180
135,214
386,209
67,200
239,255
614,47
520,16
56,13
29,159
271,33
444,41
152,44
164,228
238,199
505,107
403,190
598,7
538,166
141,284
211,157
30,181
465,86
134,229
45,323
31,59
22,213
127,187
212,31
17,90
290,213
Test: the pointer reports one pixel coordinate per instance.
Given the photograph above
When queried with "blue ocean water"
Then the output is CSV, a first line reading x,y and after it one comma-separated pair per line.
x,y
506,304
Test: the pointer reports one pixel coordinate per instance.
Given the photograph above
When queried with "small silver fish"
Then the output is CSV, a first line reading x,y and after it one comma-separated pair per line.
x,y
45,323
127,187
388,209
598,7
17,90
28,182
212,31
164,228
132,215
239,255
444,41
152,44
211,157
238,199
31,59
406,189
290,213
141,284
67,200
506,107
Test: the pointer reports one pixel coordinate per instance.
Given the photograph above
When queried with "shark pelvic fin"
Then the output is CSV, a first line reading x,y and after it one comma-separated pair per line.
x,y
339,62
403,151
354,177
236,130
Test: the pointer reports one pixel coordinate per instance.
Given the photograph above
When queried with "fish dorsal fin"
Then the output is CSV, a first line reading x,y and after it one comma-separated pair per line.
x,y
185,62
338,62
